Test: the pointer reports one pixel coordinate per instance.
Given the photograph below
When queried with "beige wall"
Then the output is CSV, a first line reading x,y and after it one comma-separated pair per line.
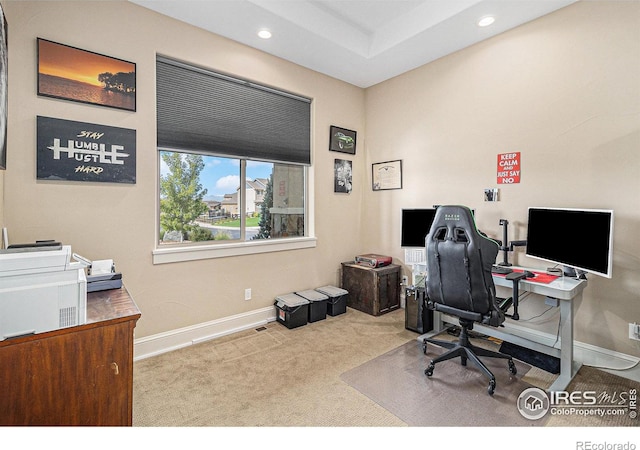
x,y
118,221
564,91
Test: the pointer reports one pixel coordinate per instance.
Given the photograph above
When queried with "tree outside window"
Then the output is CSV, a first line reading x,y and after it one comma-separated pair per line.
x,y
201,199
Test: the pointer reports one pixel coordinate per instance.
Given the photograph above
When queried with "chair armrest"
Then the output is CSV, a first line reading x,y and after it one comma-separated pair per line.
x,y
515,277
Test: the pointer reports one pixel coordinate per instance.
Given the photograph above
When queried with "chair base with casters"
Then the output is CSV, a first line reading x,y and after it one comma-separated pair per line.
x,y
467,351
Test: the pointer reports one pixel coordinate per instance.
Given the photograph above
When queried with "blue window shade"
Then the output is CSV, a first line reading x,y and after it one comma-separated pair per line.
x,y
203,111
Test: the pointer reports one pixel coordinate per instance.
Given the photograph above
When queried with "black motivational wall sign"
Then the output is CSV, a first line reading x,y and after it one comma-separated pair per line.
x,y
78,151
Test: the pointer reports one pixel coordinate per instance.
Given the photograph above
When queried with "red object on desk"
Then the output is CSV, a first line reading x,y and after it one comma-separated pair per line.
x,y
541,277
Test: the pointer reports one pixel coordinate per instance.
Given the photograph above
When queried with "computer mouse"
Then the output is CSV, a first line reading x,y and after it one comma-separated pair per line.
x,y
529,274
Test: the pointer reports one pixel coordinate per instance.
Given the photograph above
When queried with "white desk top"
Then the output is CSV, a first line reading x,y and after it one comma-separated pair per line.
x,y
562,288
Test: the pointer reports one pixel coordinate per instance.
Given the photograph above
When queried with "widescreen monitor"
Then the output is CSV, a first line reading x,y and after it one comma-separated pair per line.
x,y
416,224
581,239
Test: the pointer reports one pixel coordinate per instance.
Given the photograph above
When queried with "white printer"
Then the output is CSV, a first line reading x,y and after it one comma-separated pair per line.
x,y
40,290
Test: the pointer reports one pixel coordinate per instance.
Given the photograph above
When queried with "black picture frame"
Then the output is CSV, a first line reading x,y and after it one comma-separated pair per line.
x,y
3,89
342,176
70,73
342,140
87,152
386,175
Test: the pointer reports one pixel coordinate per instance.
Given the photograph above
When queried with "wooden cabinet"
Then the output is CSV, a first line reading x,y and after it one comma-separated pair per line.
x,y
81,375
374,291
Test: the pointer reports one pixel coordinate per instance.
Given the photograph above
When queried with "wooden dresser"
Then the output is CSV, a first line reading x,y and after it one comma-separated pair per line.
x,y
374,291
81,375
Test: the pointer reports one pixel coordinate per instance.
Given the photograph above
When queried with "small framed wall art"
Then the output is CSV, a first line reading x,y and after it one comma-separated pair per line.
x,y
343,176
386,175
70,73
342,140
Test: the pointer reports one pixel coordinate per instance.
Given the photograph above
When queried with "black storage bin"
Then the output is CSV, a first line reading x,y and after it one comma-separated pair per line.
x,y
292,310
317,304
337,302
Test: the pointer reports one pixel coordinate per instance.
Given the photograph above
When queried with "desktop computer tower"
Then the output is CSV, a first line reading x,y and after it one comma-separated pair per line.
x,y
417,318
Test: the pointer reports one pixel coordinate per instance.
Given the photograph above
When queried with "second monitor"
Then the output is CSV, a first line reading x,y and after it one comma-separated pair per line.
x,y
415,226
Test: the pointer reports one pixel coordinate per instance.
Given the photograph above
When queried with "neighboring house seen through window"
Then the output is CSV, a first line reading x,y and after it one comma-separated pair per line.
x,y
202,198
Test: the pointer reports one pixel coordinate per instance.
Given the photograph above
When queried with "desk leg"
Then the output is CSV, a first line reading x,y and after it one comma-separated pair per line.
x,y
438,324
568,368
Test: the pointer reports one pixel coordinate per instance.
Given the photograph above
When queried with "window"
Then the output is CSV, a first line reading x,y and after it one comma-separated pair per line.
x,y
202,199
233,163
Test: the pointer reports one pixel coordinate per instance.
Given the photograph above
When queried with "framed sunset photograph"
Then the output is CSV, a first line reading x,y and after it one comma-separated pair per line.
x,y
70,73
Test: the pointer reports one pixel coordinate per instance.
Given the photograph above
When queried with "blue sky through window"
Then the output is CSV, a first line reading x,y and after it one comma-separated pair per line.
x,y
221,176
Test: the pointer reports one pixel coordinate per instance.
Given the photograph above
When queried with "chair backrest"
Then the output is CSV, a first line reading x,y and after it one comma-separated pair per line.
x,y
459,260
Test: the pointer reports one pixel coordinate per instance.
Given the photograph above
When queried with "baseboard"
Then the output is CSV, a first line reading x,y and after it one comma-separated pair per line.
x,y
157,344
616,363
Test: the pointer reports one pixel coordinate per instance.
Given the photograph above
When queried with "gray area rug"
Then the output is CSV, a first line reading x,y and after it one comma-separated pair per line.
x,y
454,396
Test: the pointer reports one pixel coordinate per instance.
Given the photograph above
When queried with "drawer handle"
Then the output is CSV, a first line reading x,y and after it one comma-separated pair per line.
x,y
116,369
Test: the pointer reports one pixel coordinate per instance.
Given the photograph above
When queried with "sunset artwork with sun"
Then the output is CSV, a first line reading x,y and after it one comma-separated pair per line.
x,y
73,74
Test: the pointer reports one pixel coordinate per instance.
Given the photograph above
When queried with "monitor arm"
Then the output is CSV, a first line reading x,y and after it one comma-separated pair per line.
x,y
508,248
505,239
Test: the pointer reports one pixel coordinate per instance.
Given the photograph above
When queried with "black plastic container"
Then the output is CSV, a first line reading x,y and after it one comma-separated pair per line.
x,y
292,310
317,304
337,302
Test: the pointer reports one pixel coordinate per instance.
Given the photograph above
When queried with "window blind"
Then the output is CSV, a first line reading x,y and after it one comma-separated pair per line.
x,y
203,111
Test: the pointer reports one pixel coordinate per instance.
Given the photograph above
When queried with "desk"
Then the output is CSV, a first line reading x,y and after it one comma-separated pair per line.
x,y
568,291
80,375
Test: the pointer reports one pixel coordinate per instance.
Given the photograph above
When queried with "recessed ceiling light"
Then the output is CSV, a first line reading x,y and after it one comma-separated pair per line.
x,y
486,21
264,34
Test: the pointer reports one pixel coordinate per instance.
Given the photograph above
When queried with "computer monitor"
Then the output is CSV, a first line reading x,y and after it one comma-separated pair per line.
x,y
580,239
416,224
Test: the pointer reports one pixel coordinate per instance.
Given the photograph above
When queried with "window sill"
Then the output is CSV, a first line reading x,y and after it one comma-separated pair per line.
x,y
210,251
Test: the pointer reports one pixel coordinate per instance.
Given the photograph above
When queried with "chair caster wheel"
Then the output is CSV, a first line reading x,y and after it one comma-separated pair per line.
x,y
429,370
512,367
492,387
424,347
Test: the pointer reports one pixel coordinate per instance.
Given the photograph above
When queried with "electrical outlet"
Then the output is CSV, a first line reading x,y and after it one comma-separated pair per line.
x,y
634,331
405,280
247,294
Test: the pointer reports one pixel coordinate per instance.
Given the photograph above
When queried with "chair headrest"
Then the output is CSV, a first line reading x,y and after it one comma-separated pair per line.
x,y
453,217
456,215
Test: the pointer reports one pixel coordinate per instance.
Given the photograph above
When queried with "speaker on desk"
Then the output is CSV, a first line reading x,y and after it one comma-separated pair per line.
x,y
416,317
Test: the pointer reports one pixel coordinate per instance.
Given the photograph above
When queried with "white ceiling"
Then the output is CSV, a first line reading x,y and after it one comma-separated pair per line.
x,y
362,42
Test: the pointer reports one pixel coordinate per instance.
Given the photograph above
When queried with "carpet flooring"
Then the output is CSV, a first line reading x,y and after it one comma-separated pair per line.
x,y
271,378
351,370
611,394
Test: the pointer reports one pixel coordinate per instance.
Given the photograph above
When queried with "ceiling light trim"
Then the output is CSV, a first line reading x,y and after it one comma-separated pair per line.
x,y
310,18
415,22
